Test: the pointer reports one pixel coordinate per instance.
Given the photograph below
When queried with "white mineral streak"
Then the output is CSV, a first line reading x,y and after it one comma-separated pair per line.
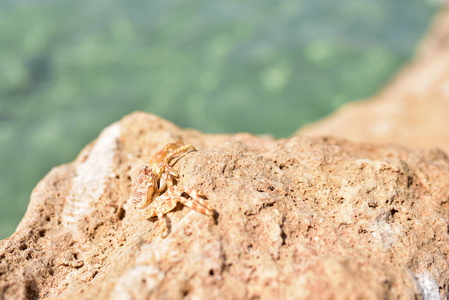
x,y
146,264
131,287
428,285
90,180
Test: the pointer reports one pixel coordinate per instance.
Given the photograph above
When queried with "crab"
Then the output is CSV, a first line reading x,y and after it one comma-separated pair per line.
x,y
155,192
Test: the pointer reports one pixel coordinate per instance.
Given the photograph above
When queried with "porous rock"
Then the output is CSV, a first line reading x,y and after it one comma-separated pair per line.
x,y
298,218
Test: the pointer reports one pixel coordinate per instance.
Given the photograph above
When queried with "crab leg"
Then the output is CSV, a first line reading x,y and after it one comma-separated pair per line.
x,y
154,210
196,202
160,215
163,153
166,181
185,148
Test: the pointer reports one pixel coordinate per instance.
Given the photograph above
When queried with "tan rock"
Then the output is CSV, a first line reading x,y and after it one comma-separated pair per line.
x,y
299,218
412,110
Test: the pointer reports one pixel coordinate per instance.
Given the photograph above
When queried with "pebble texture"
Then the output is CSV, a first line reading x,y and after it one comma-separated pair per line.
x,y
297,218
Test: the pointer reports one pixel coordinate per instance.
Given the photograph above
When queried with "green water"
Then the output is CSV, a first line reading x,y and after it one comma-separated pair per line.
x,y
70,68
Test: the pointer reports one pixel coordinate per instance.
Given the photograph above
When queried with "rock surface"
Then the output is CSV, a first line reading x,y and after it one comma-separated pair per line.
x,y
297,218
412,110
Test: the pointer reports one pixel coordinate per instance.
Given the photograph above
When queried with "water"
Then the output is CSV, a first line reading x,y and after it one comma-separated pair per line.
x,y
69,68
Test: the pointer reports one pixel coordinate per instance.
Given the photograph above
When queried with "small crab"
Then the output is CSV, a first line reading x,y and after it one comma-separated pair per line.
x,y
154,191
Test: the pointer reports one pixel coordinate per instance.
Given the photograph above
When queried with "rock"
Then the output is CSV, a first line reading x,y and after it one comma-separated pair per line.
x,y
412,110
297,218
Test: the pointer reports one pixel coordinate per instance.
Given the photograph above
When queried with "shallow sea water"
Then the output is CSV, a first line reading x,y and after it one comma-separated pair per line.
x,y
70,68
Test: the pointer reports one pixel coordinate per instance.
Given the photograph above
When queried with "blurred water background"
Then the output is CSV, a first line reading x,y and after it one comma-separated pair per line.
x,y
69,68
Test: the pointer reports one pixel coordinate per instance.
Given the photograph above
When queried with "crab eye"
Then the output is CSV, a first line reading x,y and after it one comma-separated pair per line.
x,y
146,169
